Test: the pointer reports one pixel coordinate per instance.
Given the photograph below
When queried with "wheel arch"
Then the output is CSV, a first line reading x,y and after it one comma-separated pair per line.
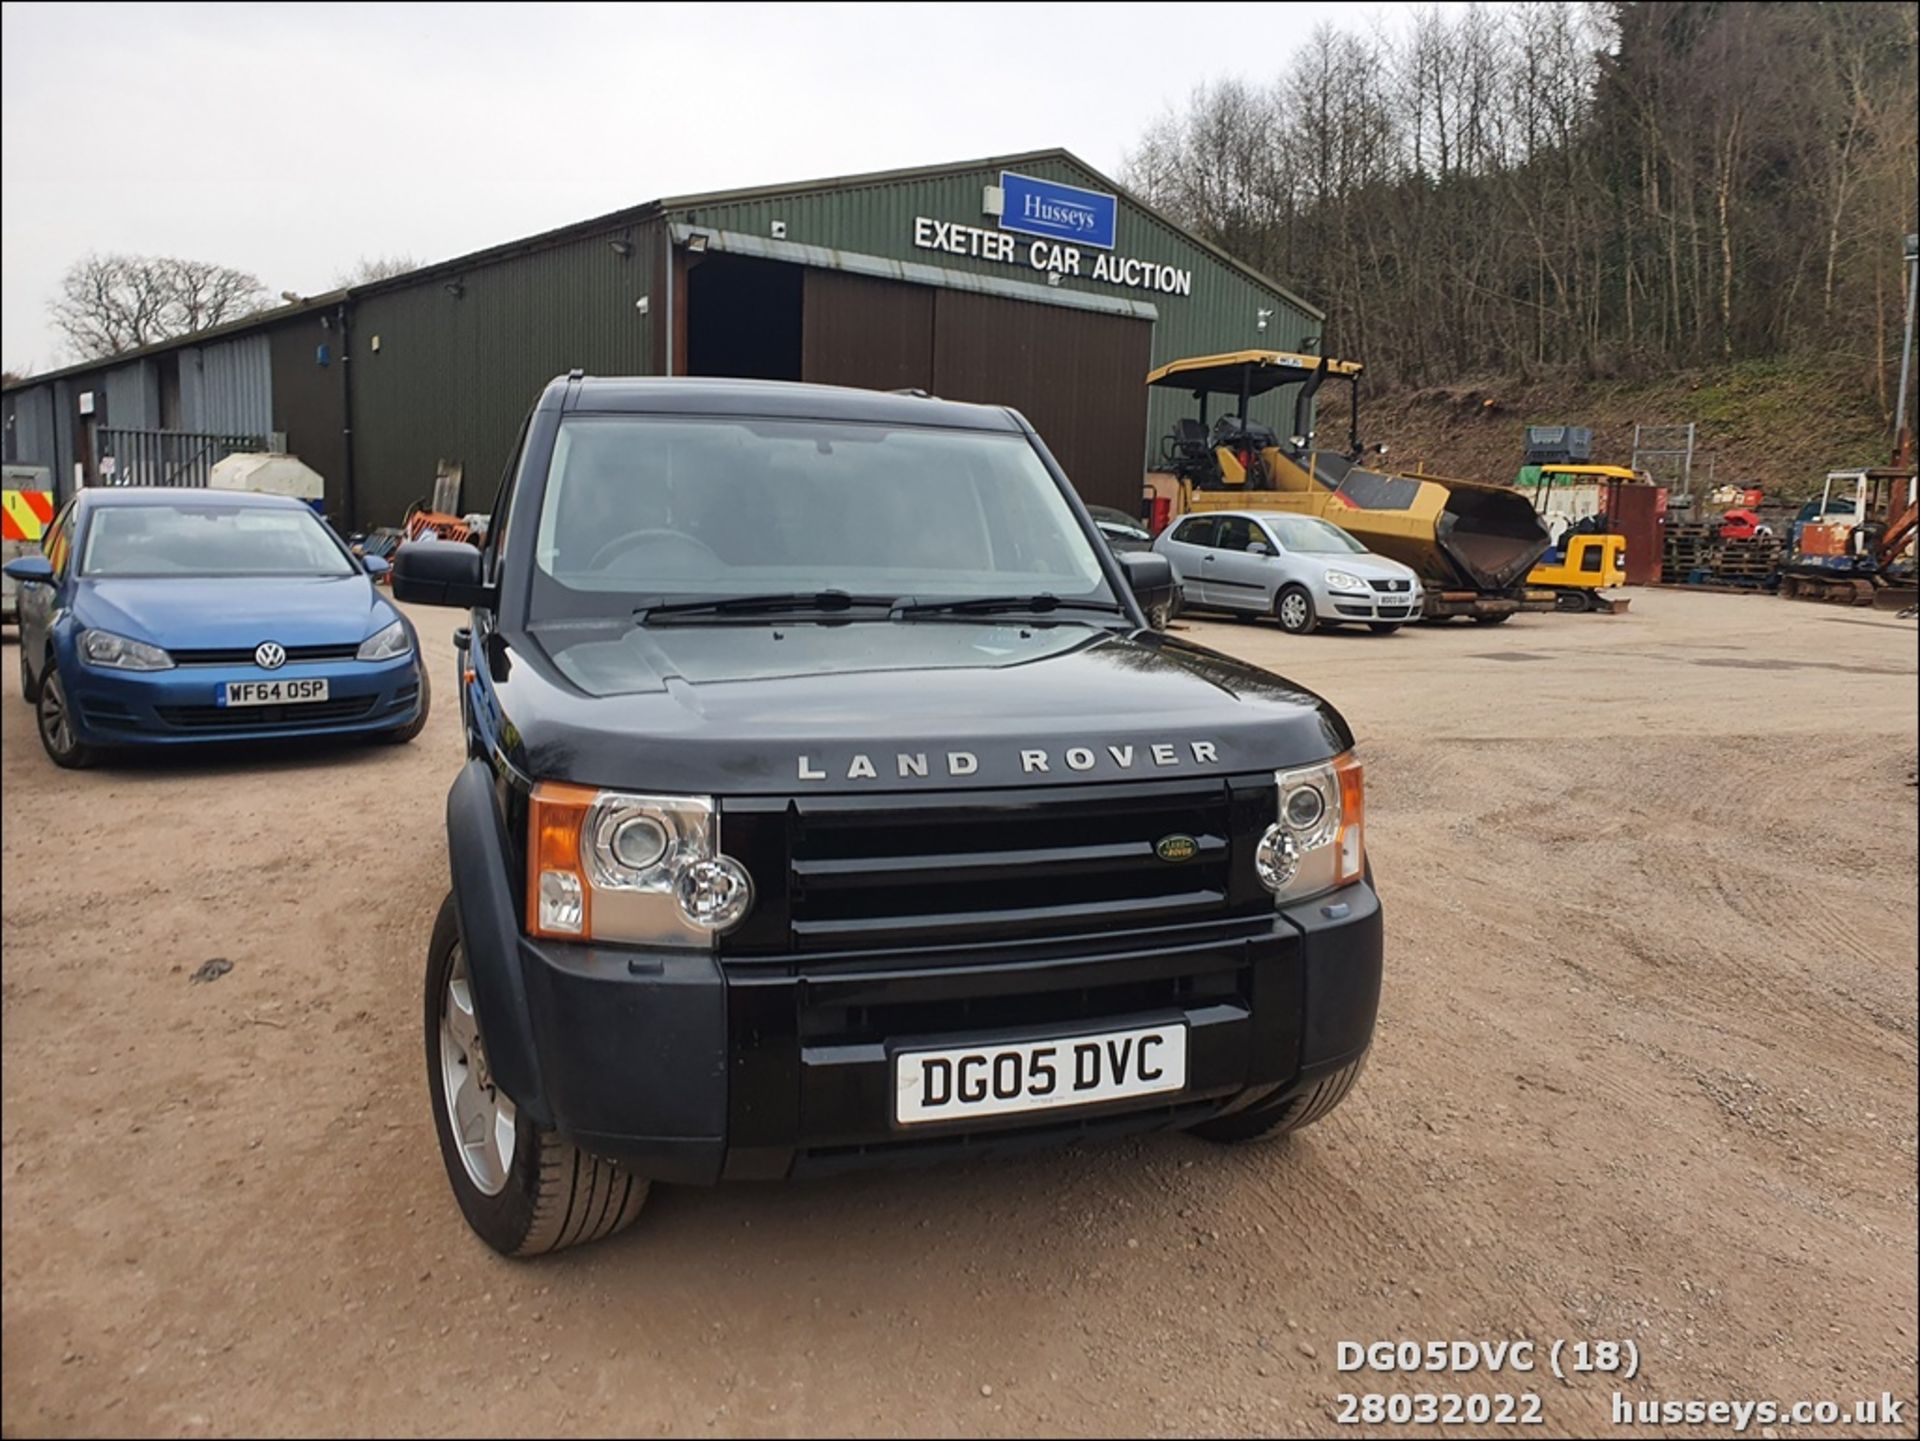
x,y
487,913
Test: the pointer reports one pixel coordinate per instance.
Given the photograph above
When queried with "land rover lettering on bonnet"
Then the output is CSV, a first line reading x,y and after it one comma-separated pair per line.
x,y
916,764
830,803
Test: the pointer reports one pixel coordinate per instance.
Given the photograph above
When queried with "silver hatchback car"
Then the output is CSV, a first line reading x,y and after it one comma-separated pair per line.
x,y
1299,569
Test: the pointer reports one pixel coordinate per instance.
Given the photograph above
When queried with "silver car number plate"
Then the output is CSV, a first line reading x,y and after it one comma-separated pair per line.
x,y
271,692
961,1082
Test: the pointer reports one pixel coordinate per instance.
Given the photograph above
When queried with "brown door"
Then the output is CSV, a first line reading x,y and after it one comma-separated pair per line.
x,y
1076,375
872,333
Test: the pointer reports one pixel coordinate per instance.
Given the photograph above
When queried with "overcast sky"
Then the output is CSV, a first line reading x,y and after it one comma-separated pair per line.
x,y
291,140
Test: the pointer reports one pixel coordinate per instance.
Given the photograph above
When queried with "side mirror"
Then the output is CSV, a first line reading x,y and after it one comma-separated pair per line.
x,y
1380,449
1258,547
1150,575
440,572
375,565
30,569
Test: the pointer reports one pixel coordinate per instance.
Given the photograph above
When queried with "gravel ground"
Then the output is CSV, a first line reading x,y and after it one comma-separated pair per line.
x,y
1645,1070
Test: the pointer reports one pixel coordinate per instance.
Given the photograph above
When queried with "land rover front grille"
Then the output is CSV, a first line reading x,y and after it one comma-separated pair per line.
x,y
839,873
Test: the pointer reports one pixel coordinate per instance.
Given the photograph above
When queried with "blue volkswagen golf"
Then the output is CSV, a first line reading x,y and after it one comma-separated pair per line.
x,y
174,616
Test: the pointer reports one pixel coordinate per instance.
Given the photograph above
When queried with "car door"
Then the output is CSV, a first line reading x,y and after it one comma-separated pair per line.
x,y
1186,548
1238,577
39,602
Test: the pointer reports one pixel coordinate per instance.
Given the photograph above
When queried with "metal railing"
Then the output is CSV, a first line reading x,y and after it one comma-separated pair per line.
x,y
165,457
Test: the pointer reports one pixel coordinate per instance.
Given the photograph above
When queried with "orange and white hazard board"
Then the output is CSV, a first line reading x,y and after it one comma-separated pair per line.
x,y
25,514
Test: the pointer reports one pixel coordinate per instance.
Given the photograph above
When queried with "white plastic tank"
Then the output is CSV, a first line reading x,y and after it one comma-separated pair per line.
x,y
269,475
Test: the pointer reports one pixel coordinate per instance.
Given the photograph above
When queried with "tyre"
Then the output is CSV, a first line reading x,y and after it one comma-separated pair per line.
x,y
1383,627
1293,608
400,735
29,690
523,1190
55,717
1501,619
1159,615
1270,1119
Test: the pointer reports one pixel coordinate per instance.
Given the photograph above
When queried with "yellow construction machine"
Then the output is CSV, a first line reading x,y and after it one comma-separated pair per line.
x,y
1587,557
1472,544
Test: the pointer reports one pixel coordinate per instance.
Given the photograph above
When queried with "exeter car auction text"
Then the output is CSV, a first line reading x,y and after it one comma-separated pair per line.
x,y
956,239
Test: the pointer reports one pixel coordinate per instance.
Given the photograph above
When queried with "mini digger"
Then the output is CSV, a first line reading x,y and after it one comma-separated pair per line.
x,y
1588,558
1472,545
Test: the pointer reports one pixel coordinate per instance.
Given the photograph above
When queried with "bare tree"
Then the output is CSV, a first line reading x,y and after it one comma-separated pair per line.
x,y
374,267
113,303
1567,184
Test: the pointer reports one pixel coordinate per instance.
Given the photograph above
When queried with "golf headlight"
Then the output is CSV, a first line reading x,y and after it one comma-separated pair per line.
x,y
1319,841
115,652
386,643
1340,580
607,866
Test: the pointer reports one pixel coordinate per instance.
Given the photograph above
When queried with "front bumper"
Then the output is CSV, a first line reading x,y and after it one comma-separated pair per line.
x,y
689,1068
180,706
1372,606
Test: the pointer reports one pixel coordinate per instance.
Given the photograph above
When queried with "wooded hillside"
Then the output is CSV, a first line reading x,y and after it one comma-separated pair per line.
x,y
1597,191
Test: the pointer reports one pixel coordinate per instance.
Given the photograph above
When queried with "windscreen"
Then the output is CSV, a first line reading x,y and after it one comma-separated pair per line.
x,y
641,510
205,538
1309,535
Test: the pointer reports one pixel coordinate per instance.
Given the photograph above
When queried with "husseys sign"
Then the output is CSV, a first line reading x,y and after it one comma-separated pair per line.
x,y
1072,234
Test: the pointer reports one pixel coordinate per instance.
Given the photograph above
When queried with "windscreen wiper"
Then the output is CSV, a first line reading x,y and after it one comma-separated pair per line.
x,y
828,602
1041,604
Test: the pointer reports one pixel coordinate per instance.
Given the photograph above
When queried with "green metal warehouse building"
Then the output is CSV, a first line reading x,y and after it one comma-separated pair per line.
x,y
1028,280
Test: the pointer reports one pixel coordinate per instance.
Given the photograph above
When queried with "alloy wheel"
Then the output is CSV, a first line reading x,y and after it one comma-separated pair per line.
x,y
56,722
482,1116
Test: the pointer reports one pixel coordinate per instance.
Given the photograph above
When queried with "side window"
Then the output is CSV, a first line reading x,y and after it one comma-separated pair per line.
x,y
1236,533
502,515
1270,537
1198,531
57,542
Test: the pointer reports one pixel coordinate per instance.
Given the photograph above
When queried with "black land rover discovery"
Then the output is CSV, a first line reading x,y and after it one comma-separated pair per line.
x,y
830,803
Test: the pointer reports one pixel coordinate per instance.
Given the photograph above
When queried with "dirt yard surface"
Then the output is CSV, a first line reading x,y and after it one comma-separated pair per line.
x,y
1645,1070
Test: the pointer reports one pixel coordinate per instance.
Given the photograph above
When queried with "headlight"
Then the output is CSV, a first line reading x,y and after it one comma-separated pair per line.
x,y
116,652
1340,580
386,643
1319,841
607,866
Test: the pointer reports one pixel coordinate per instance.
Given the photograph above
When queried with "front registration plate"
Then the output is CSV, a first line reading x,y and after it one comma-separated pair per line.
x,y
993,1080
271,692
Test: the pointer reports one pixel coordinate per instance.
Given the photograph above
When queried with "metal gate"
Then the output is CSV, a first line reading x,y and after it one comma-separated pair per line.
x,y
165,457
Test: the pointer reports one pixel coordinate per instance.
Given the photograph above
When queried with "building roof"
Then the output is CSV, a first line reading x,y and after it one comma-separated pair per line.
x,y
653,209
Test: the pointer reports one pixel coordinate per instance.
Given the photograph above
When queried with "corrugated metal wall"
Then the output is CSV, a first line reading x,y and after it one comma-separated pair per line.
x,y
454,375
1221,314
308,405
29,421
133,396
226,388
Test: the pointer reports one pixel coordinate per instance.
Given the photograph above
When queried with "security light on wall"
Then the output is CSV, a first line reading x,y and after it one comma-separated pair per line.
x,y
456,289
697,242
1260,319
621,248
1310,344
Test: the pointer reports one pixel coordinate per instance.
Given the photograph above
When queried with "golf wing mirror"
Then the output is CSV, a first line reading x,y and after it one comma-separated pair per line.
x,y
32,569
